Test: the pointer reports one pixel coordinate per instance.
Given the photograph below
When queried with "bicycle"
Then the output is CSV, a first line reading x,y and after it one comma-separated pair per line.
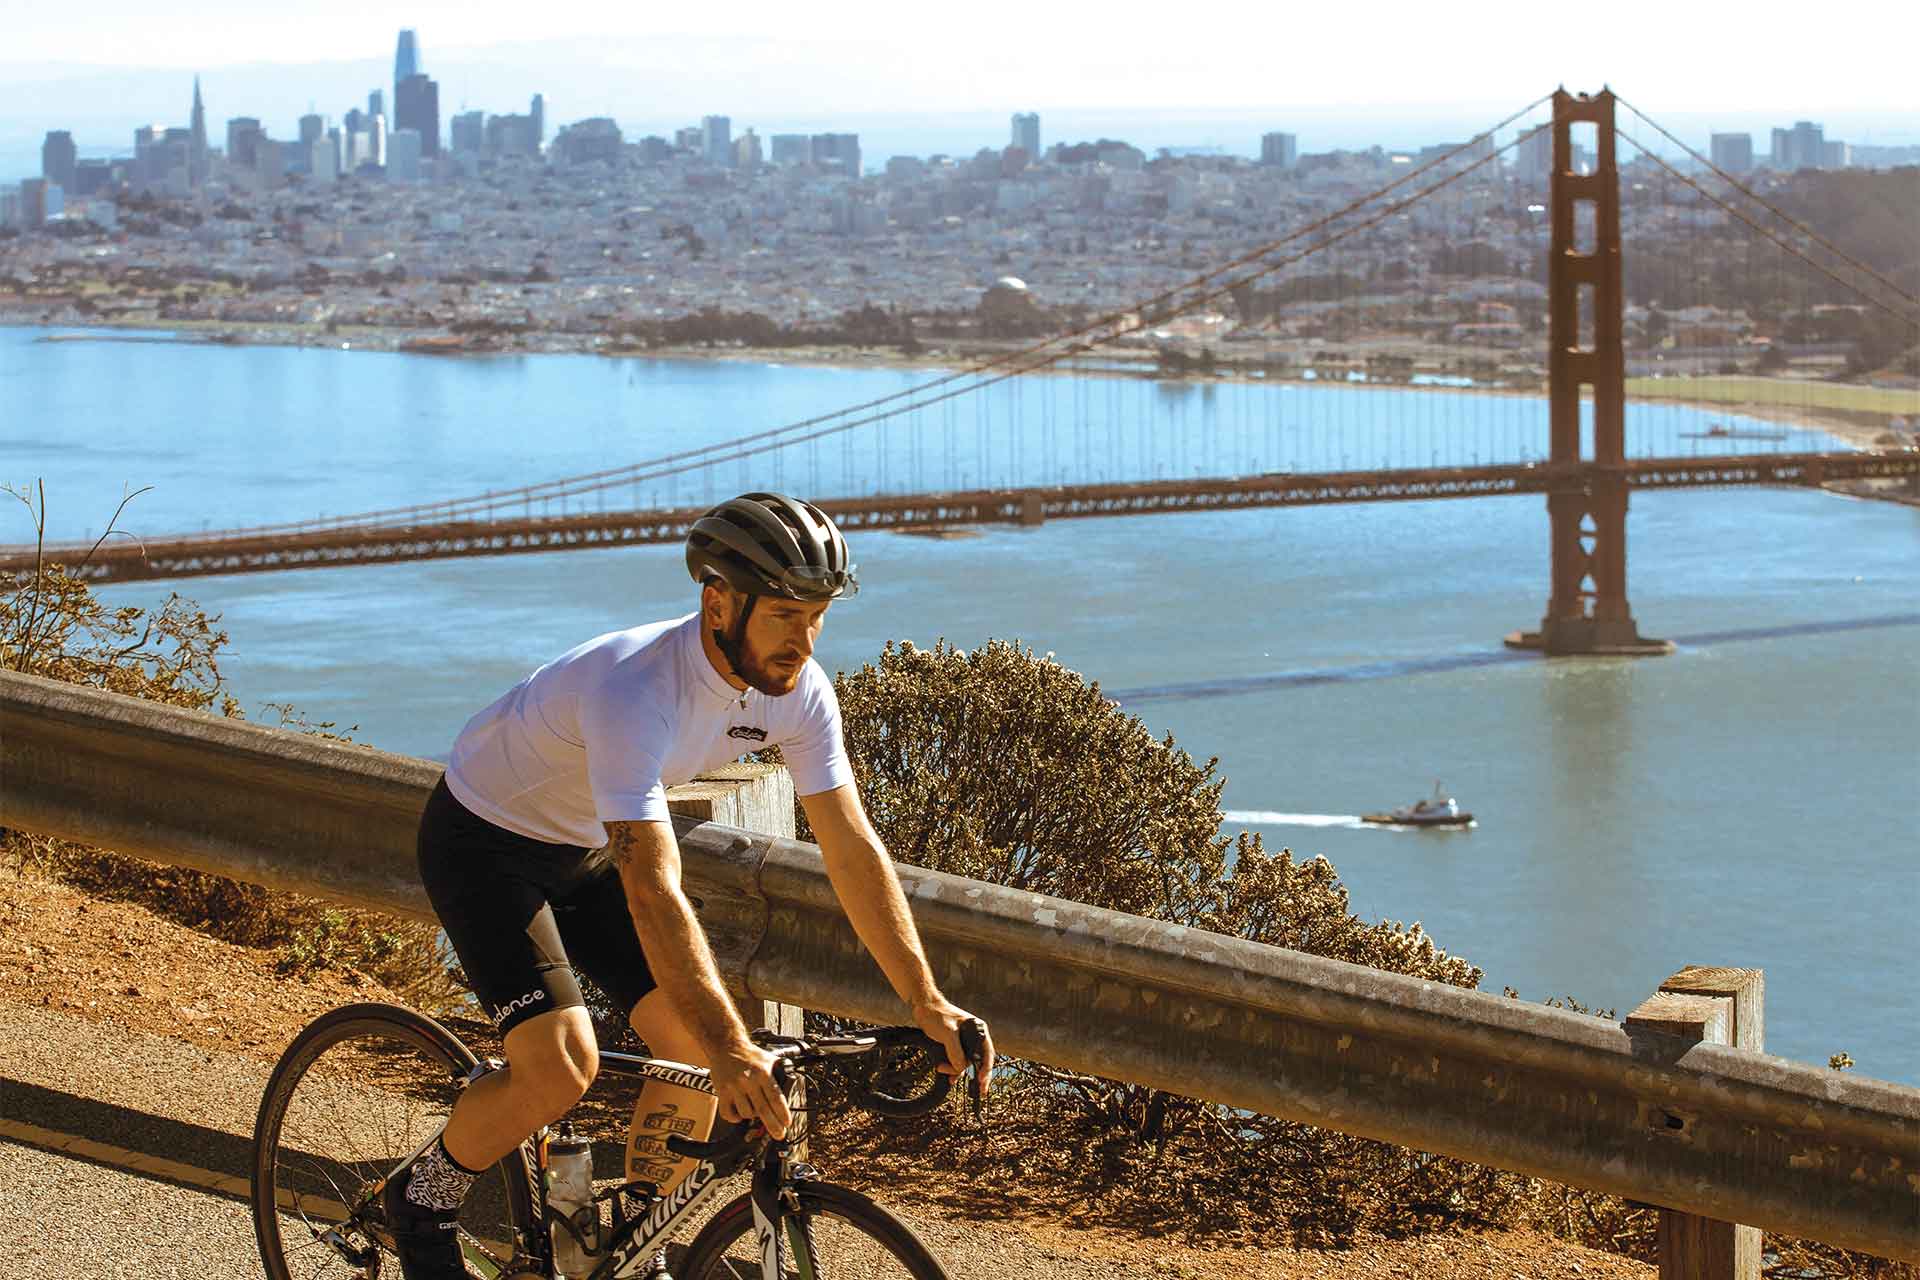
x,y
366,1086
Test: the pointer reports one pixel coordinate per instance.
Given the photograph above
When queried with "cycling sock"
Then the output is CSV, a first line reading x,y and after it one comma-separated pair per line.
x,y
437,1181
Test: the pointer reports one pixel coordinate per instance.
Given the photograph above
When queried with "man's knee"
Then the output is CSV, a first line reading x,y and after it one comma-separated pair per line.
x,y
554,1058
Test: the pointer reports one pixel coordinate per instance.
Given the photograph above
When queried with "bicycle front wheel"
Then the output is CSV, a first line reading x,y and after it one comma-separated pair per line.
x,y
358,1091
836,1233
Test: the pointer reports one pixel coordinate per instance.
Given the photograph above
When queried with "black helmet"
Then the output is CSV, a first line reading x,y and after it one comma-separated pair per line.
x,y
770,544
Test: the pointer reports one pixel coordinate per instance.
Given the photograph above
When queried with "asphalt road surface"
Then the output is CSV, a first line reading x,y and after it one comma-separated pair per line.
x,y
63,1218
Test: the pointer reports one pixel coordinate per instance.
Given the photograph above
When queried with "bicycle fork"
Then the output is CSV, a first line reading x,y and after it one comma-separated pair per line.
x,y
780,1224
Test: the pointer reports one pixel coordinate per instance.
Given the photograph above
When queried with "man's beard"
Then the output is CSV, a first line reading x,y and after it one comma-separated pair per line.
x,y
761,676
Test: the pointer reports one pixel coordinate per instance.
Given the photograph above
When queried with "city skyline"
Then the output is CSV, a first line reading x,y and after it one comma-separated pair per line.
x,y
1683,59
101,69
727,65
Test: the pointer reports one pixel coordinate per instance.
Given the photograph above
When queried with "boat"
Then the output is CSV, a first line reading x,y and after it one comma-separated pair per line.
x,y
1437,810
1721,431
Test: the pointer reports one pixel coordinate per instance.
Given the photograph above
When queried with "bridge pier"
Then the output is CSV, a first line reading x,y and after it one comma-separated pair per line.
x,y
1588,610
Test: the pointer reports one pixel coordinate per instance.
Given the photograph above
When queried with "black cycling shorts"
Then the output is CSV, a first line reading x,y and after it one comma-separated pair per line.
x,y
523,915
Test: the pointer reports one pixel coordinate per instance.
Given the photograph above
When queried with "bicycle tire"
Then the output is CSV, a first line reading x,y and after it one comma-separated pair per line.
x,y
726,1249
359,1090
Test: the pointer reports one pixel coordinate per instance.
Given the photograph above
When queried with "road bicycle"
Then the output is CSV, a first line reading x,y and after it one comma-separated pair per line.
x,y
366,1086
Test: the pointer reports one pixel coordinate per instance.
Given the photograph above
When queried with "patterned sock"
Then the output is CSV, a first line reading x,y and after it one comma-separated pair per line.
x,y
437,1181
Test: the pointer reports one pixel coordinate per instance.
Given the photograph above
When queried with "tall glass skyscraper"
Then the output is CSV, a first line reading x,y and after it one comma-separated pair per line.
x,y
406,59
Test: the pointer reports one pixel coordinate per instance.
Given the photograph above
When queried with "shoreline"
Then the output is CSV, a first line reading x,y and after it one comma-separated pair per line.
x,y
1856,429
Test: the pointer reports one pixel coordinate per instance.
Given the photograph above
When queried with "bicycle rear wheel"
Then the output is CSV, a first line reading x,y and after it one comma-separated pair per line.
x,y
837,1235
358,1091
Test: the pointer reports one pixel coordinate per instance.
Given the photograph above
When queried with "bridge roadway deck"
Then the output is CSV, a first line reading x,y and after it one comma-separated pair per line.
x,y
348,544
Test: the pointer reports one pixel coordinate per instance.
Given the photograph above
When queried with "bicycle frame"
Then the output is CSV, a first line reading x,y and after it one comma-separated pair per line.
x,y
634,1241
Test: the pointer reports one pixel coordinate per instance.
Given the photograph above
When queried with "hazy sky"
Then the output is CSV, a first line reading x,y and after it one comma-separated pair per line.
x,y
785,65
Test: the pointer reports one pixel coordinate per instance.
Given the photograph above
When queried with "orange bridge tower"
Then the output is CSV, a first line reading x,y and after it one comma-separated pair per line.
x,y
1588,610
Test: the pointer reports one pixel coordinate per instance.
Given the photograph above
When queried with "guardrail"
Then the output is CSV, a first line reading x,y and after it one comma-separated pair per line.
x,y
1714,1131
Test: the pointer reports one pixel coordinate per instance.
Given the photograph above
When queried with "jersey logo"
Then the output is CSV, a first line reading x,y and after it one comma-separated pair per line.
x,y
747,731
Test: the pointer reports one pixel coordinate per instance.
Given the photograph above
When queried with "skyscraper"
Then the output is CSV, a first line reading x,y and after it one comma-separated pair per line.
x,y
243,138
836,151
469,131
377,102
197,151
1281,149
1801,147
716,139
747,155
1533,160
1026,133
404,148
416,106
1733,152
58,159
311,129
406,61
539,114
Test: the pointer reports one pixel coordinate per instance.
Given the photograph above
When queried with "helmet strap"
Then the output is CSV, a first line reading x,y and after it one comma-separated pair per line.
x,y
732,642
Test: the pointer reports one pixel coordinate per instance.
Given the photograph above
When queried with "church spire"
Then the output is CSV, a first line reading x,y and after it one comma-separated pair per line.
x,y
197,153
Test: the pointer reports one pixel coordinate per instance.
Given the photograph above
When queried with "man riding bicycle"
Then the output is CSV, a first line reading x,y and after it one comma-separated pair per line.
x,y
577,757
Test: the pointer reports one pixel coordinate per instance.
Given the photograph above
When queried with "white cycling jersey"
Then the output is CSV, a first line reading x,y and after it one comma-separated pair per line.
x,y
599,734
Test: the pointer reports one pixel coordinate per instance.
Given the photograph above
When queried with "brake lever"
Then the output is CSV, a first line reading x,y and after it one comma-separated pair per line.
x,y
973,1043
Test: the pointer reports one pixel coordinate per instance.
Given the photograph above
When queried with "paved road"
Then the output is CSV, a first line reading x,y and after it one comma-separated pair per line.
x,y
62,1215
67,1219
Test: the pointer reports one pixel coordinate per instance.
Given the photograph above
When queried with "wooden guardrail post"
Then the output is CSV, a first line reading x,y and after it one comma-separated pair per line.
x,y
1712,1006
757,798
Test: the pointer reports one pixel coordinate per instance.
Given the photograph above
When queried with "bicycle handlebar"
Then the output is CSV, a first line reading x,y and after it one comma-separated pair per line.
x,y
863,1058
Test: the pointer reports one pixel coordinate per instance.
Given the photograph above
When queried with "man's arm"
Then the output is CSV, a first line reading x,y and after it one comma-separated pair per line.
x,y
869,891
676,948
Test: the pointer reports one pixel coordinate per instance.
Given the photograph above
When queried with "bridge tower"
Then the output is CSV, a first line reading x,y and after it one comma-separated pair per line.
x,y
1588,610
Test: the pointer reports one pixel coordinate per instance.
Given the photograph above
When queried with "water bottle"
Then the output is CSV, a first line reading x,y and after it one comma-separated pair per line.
x,y
575,1220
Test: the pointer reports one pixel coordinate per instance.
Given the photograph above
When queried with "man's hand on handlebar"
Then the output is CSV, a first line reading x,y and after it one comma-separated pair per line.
x,y
743,1081
943,1023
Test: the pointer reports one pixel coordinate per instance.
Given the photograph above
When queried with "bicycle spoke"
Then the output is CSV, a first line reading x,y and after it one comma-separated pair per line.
x,y
352,1099
822,1243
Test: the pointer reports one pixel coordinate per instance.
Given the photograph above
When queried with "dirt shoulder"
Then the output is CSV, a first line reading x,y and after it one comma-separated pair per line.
x,y
121,967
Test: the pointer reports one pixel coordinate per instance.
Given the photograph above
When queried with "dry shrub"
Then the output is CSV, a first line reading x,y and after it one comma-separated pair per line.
x,y
1001,766
53,625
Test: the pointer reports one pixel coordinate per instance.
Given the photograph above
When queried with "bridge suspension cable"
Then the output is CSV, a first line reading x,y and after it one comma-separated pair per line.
x,y
1758,199
764,442
1187,296
1794,250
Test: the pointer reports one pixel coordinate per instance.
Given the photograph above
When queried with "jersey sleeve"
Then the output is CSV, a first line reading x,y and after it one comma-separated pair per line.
x,y
627,742
815,752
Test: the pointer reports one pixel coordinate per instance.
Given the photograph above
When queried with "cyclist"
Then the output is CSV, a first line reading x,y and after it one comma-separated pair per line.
x,y
576,758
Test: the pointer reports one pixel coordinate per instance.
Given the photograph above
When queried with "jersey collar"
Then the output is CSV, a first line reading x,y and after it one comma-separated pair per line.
x,y
703,673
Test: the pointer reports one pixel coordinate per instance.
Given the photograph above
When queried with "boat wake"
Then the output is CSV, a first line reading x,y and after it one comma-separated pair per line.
x,y
1267,818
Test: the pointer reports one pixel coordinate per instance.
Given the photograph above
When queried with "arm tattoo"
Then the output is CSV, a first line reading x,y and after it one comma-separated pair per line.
x,y
622,849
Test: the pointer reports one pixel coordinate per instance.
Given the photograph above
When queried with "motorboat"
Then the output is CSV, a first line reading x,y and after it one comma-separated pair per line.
x,y
1437,810
1720,431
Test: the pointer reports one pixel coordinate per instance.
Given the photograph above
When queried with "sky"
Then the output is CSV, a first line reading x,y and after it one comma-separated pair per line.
x,y
1403,74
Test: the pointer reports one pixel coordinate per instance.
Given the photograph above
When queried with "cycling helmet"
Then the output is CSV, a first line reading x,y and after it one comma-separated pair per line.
x,y
770,544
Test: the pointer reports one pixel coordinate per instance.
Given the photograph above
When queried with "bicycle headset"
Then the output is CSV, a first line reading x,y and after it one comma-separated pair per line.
x,y
768,544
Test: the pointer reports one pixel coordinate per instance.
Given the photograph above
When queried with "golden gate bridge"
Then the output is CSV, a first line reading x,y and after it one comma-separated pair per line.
x,y
1584,469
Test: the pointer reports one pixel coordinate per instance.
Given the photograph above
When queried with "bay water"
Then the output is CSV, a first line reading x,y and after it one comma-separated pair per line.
x,y
1750,800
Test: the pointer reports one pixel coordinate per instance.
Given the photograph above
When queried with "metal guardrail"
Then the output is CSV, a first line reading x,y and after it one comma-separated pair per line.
x,y
1711,1130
